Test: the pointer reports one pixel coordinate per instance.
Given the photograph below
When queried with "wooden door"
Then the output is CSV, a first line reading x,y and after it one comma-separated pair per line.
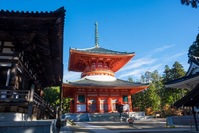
x,y
104,105
92,104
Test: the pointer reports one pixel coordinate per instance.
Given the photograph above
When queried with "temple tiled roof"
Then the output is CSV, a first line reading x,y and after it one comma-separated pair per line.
x,y
193,59
116,83
191,99
185,82
190,80
99,50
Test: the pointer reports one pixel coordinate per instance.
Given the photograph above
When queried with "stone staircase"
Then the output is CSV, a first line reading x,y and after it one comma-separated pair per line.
x,y
103,116
76,116
107,116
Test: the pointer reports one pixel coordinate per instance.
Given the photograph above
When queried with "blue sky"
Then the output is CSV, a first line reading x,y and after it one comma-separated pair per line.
x,y
158,31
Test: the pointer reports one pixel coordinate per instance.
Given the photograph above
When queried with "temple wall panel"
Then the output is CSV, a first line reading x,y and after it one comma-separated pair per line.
x,y
103,94
92,95
100,101
114,94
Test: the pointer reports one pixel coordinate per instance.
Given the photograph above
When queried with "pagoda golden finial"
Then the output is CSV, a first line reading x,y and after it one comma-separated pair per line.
x,y
96,35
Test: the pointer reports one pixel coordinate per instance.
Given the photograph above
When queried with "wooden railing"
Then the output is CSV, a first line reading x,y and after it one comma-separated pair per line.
x,y
23,96
38,100
14,95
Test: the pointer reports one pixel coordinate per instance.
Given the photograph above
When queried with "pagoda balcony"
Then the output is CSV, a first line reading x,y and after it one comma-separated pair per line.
x,y
98,71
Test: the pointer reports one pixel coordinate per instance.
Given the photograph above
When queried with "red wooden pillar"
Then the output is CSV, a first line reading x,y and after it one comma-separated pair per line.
x,y
130,103
71,106
87,103
75,103
109,104
98,104
98,101
120,100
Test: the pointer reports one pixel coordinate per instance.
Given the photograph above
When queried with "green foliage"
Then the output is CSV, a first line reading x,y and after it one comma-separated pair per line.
x,y
170,95
175,72
66,105
156,97
139,102
167,74
194,48
193,3
130,79
150,97
52,96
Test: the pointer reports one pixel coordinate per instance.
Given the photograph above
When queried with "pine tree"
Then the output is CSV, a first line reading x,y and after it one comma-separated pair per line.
x,y
167,74
149,98
171,95
194,48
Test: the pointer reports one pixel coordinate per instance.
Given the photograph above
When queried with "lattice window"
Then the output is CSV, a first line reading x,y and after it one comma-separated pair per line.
x,y
125,98
81,98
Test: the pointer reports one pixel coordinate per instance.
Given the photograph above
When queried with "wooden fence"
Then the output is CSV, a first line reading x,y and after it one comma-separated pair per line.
x,y
25,96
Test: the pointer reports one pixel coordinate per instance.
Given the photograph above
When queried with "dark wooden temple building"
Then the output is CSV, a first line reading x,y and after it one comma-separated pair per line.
x,y
31,56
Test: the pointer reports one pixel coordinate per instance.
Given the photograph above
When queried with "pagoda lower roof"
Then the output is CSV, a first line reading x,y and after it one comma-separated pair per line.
x,y
108,84
70,88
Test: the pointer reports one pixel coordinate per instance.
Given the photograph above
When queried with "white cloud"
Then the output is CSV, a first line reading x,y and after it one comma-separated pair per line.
x,y
173,58
136,74
70,76
160,49
136,68
138,63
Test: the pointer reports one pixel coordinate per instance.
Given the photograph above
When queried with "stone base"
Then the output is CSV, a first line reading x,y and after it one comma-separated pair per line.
x,y
12,117
43,126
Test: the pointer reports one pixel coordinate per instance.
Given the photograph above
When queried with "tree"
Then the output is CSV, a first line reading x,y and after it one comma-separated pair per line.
x,y
177,70
194,48
149,98
139,101
193,3
52,96
167,74
130,79
170,95
154,100
147,76
155,77
143,80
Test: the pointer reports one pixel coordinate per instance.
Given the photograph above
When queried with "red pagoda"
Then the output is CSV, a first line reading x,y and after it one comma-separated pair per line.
x,y
99,90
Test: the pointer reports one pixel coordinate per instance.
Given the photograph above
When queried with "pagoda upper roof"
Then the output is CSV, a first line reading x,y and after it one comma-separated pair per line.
x,y
99,50
78,57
